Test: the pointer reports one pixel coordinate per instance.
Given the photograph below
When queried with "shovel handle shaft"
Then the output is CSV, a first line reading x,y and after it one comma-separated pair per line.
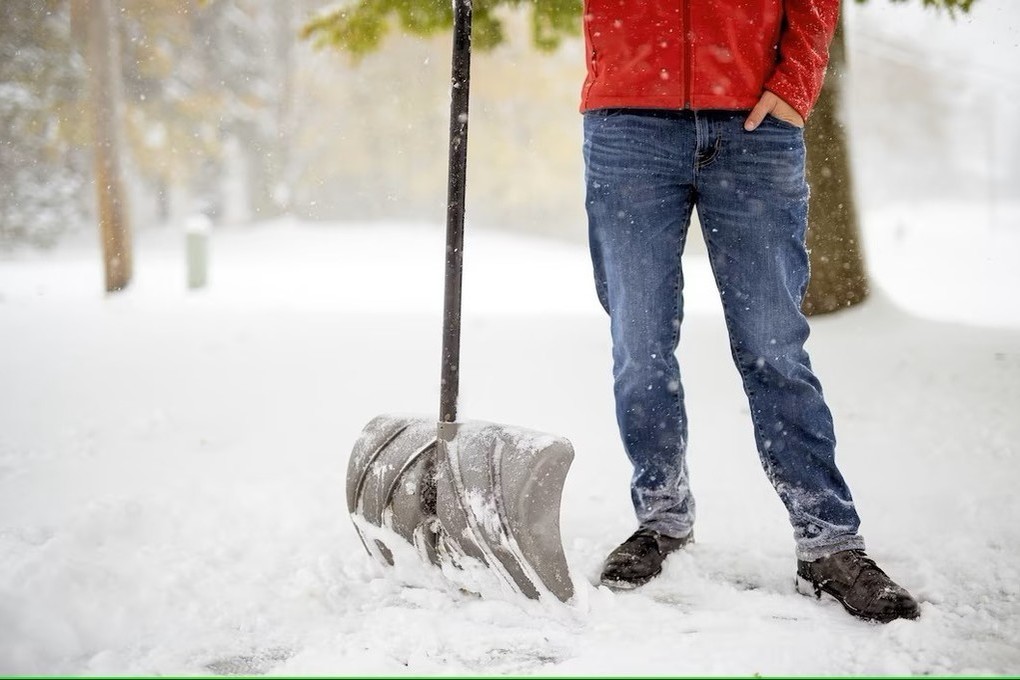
x,y
460,81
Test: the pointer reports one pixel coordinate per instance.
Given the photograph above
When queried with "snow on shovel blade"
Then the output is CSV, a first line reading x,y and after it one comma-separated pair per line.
x,y
499,489
484,491
391,483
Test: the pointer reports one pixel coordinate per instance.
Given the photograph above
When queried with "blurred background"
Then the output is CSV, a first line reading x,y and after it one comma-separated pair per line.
x,y
172,455
228,112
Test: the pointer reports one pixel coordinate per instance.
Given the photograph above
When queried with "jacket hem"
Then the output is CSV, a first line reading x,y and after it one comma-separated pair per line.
x,y
674,102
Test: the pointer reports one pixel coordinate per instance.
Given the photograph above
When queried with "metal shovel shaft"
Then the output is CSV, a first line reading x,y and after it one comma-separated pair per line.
x,y
460,82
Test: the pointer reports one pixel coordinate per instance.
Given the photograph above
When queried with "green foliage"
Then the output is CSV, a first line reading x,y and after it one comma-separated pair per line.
x,y
360,27
951,6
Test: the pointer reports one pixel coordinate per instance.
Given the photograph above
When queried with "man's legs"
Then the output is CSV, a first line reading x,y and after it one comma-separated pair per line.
x,y
643,172
752,201
639,205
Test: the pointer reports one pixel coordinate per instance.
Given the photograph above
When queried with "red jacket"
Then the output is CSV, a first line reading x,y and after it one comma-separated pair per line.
x,y
706,54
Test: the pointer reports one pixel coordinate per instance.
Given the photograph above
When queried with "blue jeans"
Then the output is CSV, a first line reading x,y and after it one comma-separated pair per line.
x,y
645,172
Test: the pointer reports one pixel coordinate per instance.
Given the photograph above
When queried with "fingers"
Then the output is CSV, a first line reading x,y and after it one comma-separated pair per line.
x,y
788,113
760,110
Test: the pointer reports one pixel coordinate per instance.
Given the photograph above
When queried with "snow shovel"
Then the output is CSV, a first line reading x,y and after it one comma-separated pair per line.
x,y
468,492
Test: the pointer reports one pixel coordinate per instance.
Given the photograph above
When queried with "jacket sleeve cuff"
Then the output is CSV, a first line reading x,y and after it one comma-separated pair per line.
x,y
799,98
804,52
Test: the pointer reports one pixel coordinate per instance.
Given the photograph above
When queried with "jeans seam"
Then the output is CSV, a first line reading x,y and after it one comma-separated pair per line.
x,y
702,163
676,328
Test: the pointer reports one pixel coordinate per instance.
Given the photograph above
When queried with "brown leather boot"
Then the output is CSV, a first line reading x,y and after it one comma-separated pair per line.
x,y
639,559
855,581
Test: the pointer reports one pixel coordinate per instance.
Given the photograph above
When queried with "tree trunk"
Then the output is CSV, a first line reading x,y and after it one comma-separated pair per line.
x,y
102,59
838,275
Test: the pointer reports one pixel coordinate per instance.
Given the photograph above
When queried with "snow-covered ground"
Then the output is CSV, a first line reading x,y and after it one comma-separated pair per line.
x,y
172,463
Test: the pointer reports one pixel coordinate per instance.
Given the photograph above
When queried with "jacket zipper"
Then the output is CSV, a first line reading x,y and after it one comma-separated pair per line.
x,y
688,43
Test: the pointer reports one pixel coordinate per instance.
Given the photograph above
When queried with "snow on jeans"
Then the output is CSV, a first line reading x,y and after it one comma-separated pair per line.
x,y
645,171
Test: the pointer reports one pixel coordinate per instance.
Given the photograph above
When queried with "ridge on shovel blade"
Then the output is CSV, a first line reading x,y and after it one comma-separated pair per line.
x,y
486,491
390,483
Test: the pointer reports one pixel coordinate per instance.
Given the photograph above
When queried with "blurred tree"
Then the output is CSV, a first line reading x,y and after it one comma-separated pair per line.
x,y
209,92
199,94
42,172
95,22
839,278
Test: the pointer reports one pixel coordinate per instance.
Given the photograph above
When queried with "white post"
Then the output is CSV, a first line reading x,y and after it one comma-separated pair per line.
x,y
196,229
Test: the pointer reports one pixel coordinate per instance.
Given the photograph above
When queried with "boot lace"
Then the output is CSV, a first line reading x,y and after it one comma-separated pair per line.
x,y
641,542
868,573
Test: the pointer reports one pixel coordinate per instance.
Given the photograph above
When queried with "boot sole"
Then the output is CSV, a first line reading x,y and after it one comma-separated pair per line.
x,y
809,589
620,585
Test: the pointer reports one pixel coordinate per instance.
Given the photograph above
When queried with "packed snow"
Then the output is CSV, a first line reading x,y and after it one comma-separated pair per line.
x,y
172,462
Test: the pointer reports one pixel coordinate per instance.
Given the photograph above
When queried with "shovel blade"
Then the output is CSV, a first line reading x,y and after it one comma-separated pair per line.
x,y
499,489
490,492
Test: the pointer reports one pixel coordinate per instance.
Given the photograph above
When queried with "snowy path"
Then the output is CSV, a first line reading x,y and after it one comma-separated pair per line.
x,y
172,471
